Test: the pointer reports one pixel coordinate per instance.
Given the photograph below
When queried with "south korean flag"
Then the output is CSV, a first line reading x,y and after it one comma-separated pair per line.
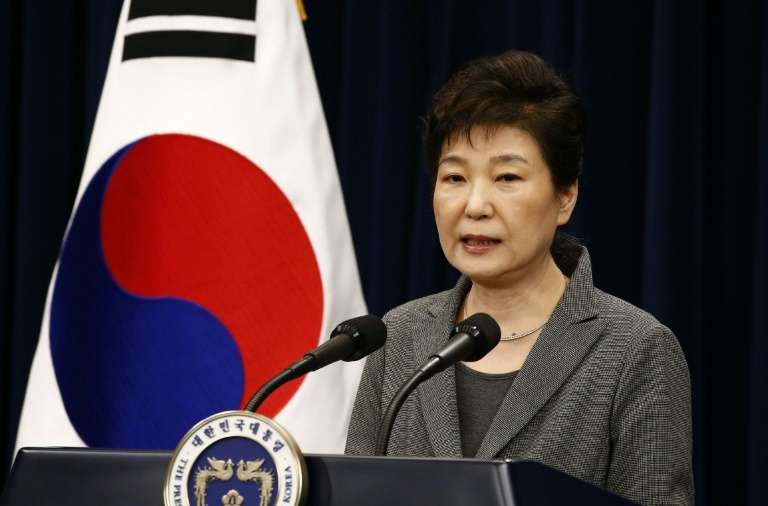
x,y
209,245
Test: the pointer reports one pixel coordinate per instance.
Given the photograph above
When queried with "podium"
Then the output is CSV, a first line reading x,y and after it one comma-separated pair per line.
x,y
79,476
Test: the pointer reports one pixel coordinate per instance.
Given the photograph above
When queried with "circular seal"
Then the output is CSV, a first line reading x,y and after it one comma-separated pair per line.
x,y
236,458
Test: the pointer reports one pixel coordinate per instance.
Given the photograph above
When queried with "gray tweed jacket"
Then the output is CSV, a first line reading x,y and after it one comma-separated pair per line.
x,y
604,394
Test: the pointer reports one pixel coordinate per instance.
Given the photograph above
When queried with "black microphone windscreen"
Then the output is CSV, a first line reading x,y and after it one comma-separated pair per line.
x,y
485,331
368,332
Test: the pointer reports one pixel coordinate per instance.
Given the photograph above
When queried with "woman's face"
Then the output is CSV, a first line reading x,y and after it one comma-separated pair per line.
x,y
495,205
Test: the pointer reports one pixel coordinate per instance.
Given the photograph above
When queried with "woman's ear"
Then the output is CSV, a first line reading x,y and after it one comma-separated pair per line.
x,y
567,202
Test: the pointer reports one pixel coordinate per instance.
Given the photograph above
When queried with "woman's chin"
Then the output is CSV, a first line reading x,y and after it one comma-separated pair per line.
x,y
484,273
492,271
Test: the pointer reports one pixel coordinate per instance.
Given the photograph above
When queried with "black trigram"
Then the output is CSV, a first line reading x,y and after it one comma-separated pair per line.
x,y
191,43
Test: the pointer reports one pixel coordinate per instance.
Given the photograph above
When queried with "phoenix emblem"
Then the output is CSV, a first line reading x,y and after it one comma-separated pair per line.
x,y
223,470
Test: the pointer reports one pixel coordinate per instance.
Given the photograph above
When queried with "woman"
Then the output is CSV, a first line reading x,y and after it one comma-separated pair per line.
x,y
581,381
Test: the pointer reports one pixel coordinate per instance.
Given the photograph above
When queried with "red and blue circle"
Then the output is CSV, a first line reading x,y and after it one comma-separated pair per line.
x,y
185,281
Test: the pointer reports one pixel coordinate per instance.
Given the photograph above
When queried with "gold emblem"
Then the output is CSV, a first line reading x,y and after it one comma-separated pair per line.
x,y
251,471
216,470
223,470
232,498
274,462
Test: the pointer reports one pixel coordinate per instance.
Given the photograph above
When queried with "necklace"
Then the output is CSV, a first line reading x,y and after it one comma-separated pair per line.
x,y
513,336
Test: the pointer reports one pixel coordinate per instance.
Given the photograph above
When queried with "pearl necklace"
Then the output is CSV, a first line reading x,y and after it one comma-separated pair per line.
x,y
512,337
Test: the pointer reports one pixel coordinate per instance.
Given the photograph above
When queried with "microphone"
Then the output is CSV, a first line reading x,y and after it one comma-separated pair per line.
x,y
470,340
351,340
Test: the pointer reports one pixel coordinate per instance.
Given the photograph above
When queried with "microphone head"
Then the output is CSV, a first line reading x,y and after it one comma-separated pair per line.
x,y
484,331
368,333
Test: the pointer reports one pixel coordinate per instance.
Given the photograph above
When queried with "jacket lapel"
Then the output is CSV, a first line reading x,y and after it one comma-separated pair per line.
x,y
438,394
565,340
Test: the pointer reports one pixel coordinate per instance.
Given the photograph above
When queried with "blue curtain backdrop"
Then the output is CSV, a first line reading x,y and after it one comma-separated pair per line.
x,y
674,200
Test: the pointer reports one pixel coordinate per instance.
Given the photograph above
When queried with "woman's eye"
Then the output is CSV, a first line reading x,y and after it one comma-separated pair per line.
x,y
507,177
454,178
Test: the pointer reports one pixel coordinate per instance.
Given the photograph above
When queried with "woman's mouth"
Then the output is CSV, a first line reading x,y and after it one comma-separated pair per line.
x,y
478,243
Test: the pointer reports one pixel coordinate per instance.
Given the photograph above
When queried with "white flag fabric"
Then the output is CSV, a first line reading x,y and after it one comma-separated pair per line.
x,y
209,245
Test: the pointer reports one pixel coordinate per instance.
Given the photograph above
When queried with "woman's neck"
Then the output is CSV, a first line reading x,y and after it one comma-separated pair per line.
x,y
523,304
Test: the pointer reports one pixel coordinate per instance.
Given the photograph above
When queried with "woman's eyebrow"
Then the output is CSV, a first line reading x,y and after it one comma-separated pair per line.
x,y
459,160
508,157
495,160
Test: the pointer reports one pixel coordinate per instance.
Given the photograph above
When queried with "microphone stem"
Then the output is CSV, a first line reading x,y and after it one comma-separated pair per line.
x,y
424,373
292,372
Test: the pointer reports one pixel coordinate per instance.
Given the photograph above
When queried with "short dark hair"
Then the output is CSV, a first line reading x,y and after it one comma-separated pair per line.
x,y
515,88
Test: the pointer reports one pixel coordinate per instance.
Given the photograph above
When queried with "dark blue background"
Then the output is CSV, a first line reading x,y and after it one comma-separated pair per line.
x,y
673,204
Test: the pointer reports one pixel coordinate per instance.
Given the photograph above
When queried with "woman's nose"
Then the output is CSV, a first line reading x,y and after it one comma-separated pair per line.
x,y
478,202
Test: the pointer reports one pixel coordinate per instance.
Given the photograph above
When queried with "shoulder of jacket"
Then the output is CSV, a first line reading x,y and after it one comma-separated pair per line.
x,y
633,327
620,312
415,307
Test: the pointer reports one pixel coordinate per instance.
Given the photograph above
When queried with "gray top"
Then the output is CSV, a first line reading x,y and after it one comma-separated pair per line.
x,y
478,397
604,394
